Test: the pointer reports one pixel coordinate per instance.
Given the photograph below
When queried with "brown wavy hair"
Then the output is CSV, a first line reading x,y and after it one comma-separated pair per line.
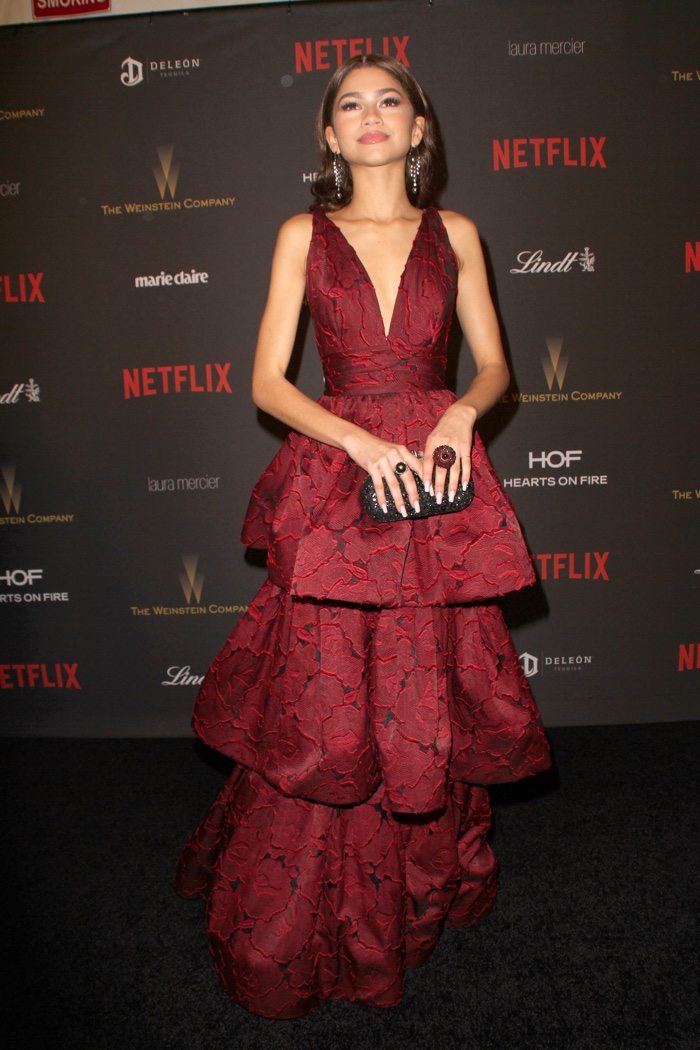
x,y
429,150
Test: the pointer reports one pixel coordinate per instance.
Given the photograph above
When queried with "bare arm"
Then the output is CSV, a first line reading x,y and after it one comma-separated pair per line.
x,y
273,392
480,327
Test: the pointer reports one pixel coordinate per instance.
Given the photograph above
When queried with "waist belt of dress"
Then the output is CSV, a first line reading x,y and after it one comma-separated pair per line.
x,y
404,377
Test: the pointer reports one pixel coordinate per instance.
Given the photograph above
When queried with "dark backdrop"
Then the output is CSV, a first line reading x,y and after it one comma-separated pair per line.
x,y
176,144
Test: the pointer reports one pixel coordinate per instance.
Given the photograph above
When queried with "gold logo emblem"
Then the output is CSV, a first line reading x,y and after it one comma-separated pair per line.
x,y
167,174
191,581
555,365
10,490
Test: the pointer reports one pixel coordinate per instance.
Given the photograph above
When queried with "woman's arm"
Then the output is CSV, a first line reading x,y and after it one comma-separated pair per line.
x,y
273,392
480,327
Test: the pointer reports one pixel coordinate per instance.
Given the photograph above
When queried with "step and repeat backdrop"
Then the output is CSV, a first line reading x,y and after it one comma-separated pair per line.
x,y
146,164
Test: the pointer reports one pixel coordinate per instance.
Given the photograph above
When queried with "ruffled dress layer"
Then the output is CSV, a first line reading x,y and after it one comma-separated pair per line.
x,y
372,690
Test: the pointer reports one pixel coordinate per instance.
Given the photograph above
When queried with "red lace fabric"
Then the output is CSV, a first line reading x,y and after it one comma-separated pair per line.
x,y
371,690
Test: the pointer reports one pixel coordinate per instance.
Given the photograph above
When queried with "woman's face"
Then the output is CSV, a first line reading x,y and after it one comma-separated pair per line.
x,y
373,120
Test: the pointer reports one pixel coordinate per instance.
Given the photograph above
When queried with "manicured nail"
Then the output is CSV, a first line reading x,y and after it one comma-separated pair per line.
x,y
432,490
384,507
439,498
416,506
403,511
451,496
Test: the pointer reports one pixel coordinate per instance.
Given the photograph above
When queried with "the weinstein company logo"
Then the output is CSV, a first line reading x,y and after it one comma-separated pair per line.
x,y
555,365
191,581
534,262
30,390
166,173
11,496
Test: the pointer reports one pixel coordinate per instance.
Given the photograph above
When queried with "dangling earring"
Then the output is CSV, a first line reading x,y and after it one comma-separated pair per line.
x,y
338,175
414,169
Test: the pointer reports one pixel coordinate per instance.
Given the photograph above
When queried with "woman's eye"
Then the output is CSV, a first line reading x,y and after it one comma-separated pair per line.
x,y
391,100
348,105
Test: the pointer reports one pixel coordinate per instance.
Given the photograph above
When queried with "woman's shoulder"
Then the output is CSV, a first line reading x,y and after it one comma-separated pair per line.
x,y
462,233
297,228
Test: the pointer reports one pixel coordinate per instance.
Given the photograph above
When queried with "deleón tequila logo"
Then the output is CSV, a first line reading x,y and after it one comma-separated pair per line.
x,y
132,72
191,581
167,174
554,364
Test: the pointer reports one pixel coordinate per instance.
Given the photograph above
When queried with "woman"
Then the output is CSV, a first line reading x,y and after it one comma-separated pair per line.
x,y
371,690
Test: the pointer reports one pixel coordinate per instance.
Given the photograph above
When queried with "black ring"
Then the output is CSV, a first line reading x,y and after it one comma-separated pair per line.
x,y
444,456
400,468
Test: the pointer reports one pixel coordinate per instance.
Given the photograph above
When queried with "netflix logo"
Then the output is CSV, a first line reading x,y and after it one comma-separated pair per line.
x,y
312,55
692,256
39,676
176,379
21,288
689,657
583,152
588,566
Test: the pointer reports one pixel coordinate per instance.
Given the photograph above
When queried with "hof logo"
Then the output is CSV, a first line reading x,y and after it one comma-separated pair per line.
x,y
132,72
533,262
30,389
27,578
555,460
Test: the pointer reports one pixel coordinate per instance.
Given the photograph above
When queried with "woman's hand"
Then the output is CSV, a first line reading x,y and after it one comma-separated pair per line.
x,y
379,459
455,428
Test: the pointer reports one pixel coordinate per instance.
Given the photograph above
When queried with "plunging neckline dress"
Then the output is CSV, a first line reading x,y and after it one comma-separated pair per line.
x,y
371,691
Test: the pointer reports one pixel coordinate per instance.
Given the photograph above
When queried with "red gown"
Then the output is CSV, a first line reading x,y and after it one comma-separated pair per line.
x,y
372,690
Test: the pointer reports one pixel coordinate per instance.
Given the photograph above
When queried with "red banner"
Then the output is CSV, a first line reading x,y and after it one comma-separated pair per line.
x,y
68,8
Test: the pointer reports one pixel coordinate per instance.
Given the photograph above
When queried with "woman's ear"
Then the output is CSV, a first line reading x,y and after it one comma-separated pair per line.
x,y
331,139
417,132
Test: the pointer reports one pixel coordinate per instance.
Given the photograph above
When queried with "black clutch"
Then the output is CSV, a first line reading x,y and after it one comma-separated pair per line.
x,y
428,504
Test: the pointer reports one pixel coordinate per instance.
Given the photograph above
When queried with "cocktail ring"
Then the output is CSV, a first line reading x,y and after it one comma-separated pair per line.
x,y
444,456
401,468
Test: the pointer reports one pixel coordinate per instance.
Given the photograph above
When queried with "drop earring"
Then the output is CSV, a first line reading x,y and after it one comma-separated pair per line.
x,y
338,175
414,170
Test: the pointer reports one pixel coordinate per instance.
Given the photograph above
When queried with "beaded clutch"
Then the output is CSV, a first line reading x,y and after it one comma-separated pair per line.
x,y
429,506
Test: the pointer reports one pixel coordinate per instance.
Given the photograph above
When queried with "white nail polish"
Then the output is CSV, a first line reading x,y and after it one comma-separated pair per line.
x,y
451,497
403,511
439,498
416,506
384,507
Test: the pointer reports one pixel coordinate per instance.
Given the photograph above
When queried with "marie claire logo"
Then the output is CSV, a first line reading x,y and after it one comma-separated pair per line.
x,y
181,676
21,288
555,365
9,189
534,262
202,484
174,379
311,55
166,174
29,390
689,657
557,461
582,152
192,584
39,676
167,280
23,578
11,496
589,565
532,665
164,68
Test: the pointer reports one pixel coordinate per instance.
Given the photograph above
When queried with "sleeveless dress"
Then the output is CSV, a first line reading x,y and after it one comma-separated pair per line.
x,y
372,690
